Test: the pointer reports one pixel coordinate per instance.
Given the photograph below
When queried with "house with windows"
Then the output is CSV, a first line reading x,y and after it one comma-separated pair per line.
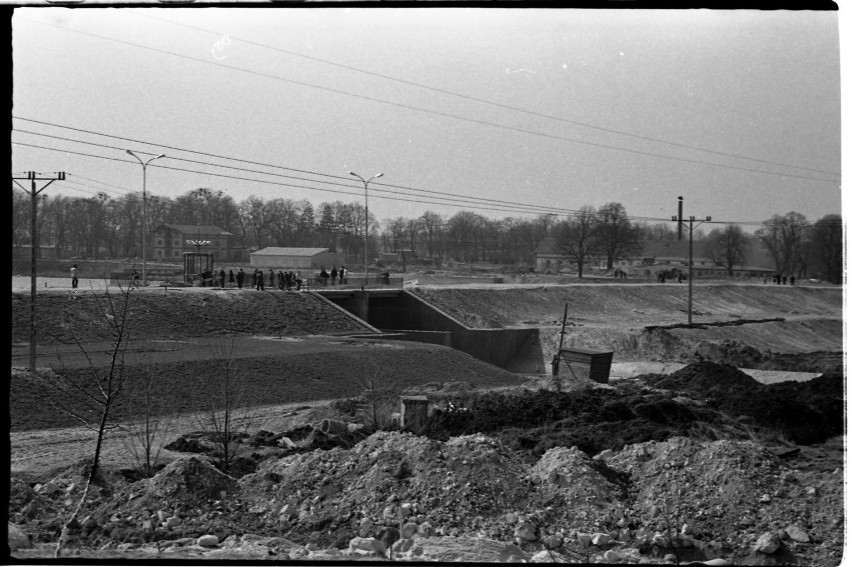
x,y
547,257
170,241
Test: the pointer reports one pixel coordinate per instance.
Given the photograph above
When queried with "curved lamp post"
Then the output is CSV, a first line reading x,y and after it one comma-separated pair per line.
x,y
366,217
144,167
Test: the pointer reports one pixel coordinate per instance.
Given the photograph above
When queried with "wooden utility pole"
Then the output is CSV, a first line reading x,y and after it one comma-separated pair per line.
x,y
558,355
33,192
692,226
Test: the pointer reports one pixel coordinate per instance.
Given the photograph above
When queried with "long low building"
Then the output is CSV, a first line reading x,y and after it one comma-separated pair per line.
x,y
296,258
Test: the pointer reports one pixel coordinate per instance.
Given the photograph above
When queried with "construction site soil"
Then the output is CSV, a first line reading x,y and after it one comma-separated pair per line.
x,y
705,463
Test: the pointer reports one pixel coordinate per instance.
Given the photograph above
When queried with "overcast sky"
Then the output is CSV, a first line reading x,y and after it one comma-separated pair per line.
x,y
504,112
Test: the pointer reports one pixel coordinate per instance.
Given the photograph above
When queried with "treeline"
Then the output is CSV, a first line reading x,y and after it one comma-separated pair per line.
x,y
106,227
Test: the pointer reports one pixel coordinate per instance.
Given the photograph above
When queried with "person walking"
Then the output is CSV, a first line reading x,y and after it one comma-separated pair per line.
x,y
324,276
222,278
259,280
241,277
230,278
333,275
280,280
343,275
298,279
74,279
792,280
271,278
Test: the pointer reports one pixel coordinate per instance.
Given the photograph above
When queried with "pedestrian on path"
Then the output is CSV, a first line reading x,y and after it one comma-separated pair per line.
x,y
241,277
74,276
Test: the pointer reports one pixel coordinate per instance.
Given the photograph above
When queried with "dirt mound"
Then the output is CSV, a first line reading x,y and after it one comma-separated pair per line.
x,y
593,419
725,492
193,479
706,378
802,412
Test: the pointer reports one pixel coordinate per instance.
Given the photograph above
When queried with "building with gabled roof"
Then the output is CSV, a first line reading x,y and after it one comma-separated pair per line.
x,y
170,241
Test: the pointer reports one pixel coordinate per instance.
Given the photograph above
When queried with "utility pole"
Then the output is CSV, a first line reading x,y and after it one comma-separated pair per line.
x,y
33,192
692,226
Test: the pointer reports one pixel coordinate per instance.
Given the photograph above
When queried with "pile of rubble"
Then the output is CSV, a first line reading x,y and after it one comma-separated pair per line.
x,y
400,496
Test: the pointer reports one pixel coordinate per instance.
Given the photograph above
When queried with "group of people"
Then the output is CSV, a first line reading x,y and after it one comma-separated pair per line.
x,y
778,279
662,275
259,280
336,276
281,280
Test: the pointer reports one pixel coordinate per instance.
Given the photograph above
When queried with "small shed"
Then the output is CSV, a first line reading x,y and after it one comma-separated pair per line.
x,y
583,363
296,258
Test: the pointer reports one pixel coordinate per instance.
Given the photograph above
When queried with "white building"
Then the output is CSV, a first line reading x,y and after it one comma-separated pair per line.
x,y
296,258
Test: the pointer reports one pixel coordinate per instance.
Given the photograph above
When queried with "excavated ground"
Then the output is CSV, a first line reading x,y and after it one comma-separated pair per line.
x,y
746,325
704,463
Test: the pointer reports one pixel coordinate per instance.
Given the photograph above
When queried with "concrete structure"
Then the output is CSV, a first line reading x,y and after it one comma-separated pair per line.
x,y
170,241
407,315
296,258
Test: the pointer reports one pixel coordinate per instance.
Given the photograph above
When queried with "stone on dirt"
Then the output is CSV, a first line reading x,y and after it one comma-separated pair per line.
x,y
18,538
767,543
796,533
208,541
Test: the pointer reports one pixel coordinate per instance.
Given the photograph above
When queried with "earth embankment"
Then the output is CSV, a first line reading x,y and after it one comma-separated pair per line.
x,y
750,326
178,313
629,305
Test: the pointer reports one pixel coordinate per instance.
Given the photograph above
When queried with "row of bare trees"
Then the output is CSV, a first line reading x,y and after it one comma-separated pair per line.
x,y
105,227
795,246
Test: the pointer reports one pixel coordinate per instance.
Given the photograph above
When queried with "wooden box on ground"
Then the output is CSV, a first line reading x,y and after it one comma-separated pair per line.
x,y
584,363
414,412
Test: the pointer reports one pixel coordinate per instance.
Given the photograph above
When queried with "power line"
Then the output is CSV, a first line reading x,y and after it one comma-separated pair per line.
x,y
435,112
488,102
452,196
548,211
267,182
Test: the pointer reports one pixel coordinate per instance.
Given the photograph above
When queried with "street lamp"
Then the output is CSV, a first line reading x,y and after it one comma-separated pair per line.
x,y
144,167
366,217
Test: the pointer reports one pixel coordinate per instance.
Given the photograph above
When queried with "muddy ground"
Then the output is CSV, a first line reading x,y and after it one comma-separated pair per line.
x,y
490,467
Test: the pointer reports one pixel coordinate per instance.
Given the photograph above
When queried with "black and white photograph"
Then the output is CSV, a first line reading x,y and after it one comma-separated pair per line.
x,y
339,282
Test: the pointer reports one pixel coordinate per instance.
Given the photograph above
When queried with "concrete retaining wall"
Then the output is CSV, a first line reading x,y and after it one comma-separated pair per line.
x,y
517,350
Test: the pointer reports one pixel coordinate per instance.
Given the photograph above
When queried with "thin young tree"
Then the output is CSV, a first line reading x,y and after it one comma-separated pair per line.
x,y
147,436
228,415
90,395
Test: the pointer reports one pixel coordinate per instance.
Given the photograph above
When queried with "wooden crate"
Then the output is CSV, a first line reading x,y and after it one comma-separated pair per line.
x,y
580,362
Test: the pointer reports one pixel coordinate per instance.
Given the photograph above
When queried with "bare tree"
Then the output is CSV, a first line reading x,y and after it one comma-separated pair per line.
x,y
433,225
825,246
615,234
147,436
227,416
90,396
783,237
576,238
379,403
726,247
